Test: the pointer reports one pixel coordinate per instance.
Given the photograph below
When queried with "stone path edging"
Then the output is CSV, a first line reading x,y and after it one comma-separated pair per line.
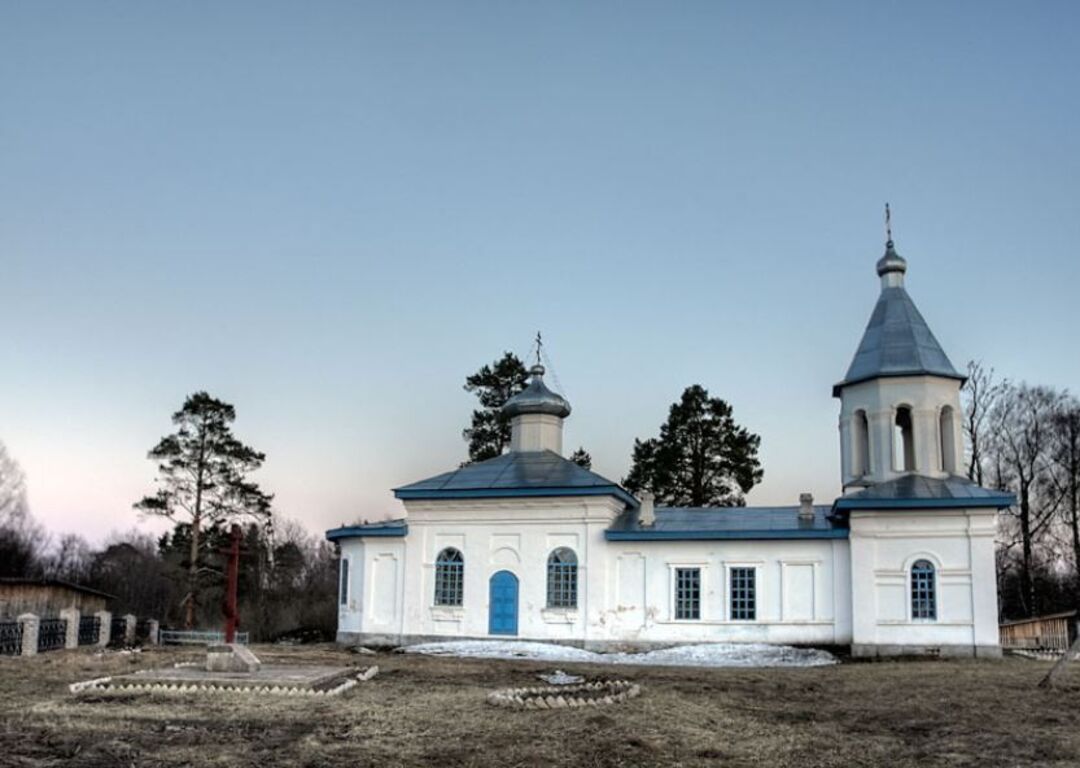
x,y
596,694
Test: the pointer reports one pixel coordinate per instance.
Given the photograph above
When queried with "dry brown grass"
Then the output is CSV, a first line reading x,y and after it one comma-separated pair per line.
x,y
425,711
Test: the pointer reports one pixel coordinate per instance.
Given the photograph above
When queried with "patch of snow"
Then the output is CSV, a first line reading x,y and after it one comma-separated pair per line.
x,y
702,655
558,677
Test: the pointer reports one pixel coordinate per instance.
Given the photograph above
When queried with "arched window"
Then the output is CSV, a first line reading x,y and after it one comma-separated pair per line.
x,y
904,441
948,440
861,445
449,577
923,591
343,591
562,579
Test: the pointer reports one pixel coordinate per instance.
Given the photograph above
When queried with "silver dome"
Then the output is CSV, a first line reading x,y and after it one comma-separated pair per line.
x,y
891,261
537,398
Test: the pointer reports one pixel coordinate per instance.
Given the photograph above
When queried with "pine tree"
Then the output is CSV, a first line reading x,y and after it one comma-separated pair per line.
x,y
203,480
493,385
701,458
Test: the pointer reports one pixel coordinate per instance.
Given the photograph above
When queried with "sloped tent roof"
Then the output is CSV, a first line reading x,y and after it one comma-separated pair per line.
x,y
699,523
897,342
921,492
529,473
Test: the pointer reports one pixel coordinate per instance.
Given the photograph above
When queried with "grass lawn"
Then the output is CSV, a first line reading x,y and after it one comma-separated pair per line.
x,y
432,711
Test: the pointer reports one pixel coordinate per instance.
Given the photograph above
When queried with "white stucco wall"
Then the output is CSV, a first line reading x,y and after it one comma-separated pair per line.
x,y
625,589
960,544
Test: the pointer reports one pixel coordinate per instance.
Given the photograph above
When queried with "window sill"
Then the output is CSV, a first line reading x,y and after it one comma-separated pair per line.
x,y
559,615
447,612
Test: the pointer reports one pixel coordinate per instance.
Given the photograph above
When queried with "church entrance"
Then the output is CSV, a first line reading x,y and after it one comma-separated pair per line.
x,y
503,604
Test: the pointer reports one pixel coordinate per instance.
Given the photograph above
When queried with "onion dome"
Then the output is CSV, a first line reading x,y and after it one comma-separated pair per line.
x,y
891,261
537,398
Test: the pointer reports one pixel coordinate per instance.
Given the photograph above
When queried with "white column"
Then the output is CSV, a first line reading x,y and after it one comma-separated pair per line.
x,y
30,626
129,629
152,634
71,637
104,628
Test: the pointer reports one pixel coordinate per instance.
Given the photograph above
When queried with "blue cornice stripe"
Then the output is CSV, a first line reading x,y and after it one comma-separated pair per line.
x,y
994,502
365,531
645,535
510,493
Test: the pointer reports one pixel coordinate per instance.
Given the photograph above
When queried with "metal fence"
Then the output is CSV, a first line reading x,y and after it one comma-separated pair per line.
x,y
89,630
10,638
52,634
196,637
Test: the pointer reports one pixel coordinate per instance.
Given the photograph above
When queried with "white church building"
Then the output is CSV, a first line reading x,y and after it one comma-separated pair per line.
x,y
529,545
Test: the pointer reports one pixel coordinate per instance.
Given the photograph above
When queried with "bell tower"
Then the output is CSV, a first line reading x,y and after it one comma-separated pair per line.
x,y
900,399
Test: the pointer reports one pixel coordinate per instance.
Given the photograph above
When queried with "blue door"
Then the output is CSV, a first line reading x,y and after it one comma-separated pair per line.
x,y
503,604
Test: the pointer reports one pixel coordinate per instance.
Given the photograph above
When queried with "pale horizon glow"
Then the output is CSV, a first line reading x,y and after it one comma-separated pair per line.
x,y
329,215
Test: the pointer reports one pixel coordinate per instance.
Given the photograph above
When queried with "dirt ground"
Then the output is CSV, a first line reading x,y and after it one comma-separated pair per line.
x,y
427,711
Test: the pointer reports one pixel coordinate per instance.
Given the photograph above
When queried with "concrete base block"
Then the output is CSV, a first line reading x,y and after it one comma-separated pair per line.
x,y
231,658
867,650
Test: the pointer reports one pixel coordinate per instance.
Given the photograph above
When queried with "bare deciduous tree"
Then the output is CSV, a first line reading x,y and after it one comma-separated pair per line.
x,y
22,540
981,393
1022,428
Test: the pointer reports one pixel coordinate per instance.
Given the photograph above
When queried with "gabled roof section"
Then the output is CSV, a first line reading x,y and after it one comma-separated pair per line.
x,y
897,342
706,523
516,474
921,492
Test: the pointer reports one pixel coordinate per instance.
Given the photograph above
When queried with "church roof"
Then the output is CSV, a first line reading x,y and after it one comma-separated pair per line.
x,y
698,523
897,342
921,492
518,473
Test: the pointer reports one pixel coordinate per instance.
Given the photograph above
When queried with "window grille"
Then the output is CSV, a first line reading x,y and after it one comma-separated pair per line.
x,y
562,571
923,597
343,591
743,594
449,578
687,593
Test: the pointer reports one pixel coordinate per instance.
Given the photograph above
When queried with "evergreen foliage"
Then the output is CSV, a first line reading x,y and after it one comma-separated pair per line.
x,y
702,457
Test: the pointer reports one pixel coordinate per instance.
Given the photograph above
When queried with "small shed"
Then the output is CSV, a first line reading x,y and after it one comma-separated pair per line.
x,y
47,597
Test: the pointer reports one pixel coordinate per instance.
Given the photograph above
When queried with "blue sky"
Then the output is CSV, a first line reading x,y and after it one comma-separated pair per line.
x,y
329,214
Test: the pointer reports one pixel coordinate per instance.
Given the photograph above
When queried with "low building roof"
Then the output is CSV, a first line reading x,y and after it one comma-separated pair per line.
x,y
921,492
699,523
516,474
382,528
28,582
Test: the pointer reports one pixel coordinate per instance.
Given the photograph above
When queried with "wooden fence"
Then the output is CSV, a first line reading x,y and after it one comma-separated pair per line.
x,y
1055,632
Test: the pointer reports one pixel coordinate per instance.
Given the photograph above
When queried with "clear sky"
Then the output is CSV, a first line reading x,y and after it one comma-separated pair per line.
x,y
329,214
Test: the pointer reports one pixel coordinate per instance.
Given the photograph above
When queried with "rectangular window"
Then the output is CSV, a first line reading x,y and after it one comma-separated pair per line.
x,y
743,594
687,593
344,589
923,604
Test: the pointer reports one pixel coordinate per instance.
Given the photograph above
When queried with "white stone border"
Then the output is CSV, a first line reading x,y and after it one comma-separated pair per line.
x,y
105,685
560,696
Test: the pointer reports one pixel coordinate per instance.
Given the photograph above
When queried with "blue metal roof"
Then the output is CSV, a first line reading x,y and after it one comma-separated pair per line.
x,y
897,342
920,492
384,528
707,523
516,474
